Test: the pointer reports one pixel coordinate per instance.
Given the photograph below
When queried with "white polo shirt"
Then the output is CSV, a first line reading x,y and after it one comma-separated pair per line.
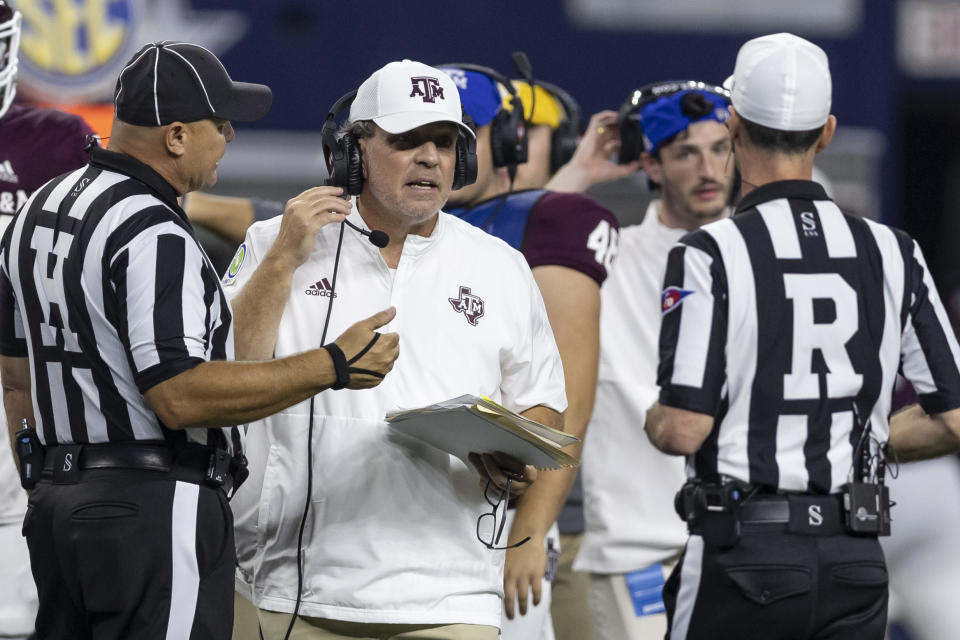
x,y
628,485
391,536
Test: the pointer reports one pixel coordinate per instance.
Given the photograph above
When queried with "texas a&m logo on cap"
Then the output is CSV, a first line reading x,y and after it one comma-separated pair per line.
x,y
426,87
468,304
671,298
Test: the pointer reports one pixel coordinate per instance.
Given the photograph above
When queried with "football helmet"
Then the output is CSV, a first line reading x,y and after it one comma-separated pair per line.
x,y
9,45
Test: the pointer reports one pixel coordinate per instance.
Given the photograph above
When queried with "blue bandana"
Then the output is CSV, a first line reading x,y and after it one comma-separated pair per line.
x,y
479,94
663,118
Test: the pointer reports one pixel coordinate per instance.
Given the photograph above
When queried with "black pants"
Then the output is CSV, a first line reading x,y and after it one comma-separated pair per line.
x,y
775,585
126,554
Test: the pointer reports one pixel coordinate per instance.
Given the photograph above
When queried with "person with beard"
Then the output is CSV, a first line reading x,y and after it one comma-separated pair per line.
x,y
633,537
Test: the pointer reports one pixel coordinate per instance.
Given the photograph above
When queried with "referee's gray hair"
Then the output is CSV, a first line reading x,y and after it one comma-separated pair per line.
x,y
360,129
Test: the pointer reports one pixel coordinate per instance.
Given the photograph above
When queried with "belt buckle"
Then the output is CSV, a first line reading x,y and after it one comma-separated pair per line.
x,y
66,464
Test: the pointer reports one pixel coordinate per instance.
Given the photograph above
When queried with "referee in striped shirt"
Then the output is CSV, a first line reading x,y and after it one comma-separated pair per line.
x,y
113,335
783,331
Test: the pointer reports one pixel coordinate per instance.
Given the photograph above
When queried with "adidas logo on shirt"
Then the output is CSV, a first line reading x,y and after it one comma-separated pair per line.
x,y
320,288
7,174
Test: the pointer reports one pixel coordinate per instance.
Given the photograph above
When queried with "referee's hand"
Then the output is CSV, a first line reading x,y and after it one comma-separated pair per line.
x,y
379,358
303,217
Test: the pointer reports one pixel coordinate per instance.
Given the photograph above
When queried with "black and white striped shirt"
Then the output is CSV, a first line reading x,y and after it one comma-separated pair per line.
x,y
776,320
104,287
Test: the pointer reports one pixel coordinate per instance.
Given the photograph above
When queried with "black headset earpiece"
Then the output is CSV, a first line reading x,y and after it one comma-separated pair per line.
x,y
566,136
351,148
345,164
631,135
342,153
508,132
465,171
632,142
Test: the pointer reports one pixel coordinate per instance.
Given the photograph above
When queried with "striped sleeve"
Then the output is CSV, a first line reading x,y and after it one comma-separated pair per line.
x,y
156,271
693,331
929,350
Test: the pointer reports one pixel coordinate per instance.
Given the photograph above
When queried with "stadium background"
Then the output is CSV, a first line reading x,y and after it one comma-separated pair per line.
x,y
895,65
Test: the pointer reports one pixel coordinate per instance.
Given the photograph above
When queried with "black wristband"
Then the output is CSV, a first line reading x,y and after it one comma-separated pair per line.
x,y
340,366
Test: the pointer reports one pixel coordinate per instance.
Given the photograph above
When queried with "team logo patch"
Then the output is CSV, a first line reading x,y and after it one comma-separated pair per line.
x,y
671,298
235,265
468,304
427,88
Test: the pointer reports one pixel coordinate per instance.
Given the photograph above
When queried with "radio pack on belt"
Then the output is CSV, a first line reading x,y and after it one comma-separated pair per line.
x,y
711,510
866,499
30,454
867,506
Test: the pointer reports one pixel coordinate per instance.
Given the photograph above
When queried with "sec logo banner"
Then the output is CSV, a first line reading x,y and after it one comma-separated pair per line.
x,y
73,50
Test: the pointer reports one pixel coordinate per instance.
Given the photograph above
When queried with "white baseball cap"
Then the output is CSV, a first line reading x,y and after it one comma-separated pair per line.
x,y
405,95
781,81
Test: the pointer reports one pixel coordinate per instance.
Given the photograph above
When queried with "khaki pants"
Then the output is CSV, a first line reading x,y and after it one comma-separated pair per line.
x,y
275,625
246,624
570,608
614,616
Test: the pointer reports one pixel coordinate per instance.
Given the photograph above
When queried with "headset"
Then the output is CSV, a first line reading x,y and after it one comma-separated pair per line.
x,y
632,142
566,137
345,166
508,131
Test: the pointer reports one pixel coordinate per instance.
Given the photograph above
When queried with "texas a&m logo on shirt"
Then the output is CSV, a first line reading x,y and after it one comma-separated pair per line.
x,y
468,304
671,298
426,87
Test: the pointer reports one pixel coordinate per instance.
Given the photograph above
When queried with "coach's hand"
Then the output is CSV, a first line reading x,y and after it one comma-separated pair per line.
x,y
378,357
303,217
497,466
523,572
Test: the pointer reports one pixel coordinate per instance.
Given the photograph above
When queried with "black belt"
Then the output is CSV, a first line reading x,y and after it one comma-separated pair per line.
x,y
799,513
193,463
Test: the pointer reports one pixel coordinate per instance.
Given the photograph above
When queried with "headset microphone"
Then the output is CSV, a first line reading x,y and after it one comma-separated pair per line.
x,y
525,69
376,237
523,66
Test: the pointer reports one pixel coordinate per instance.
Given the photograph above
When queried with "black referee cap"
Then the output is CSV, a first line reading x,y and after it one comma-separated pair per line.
x,y
169,81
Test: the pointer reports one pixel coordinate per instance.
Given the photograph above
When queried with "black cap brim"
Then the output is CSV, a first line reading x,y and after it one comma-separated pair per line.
x,y
246,102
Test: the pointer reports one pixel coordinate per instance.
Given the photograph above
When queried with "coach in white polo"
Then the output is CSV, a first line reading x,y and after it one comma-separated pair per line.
x,y
390,544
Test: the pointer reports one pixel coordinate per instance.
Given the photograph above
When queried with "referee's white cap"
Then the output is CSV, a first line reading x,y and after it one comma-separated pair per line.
x,y
783,82
405,95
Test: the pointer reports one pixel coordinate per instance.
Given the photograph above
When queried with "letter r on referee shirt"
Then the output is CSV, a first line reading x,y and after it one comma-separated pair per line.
x,y
830,337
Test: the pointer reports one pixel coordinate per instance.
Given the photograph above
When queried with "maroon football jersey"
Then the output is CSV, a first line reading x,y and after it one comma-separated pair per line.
x,y
572,230
36,145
